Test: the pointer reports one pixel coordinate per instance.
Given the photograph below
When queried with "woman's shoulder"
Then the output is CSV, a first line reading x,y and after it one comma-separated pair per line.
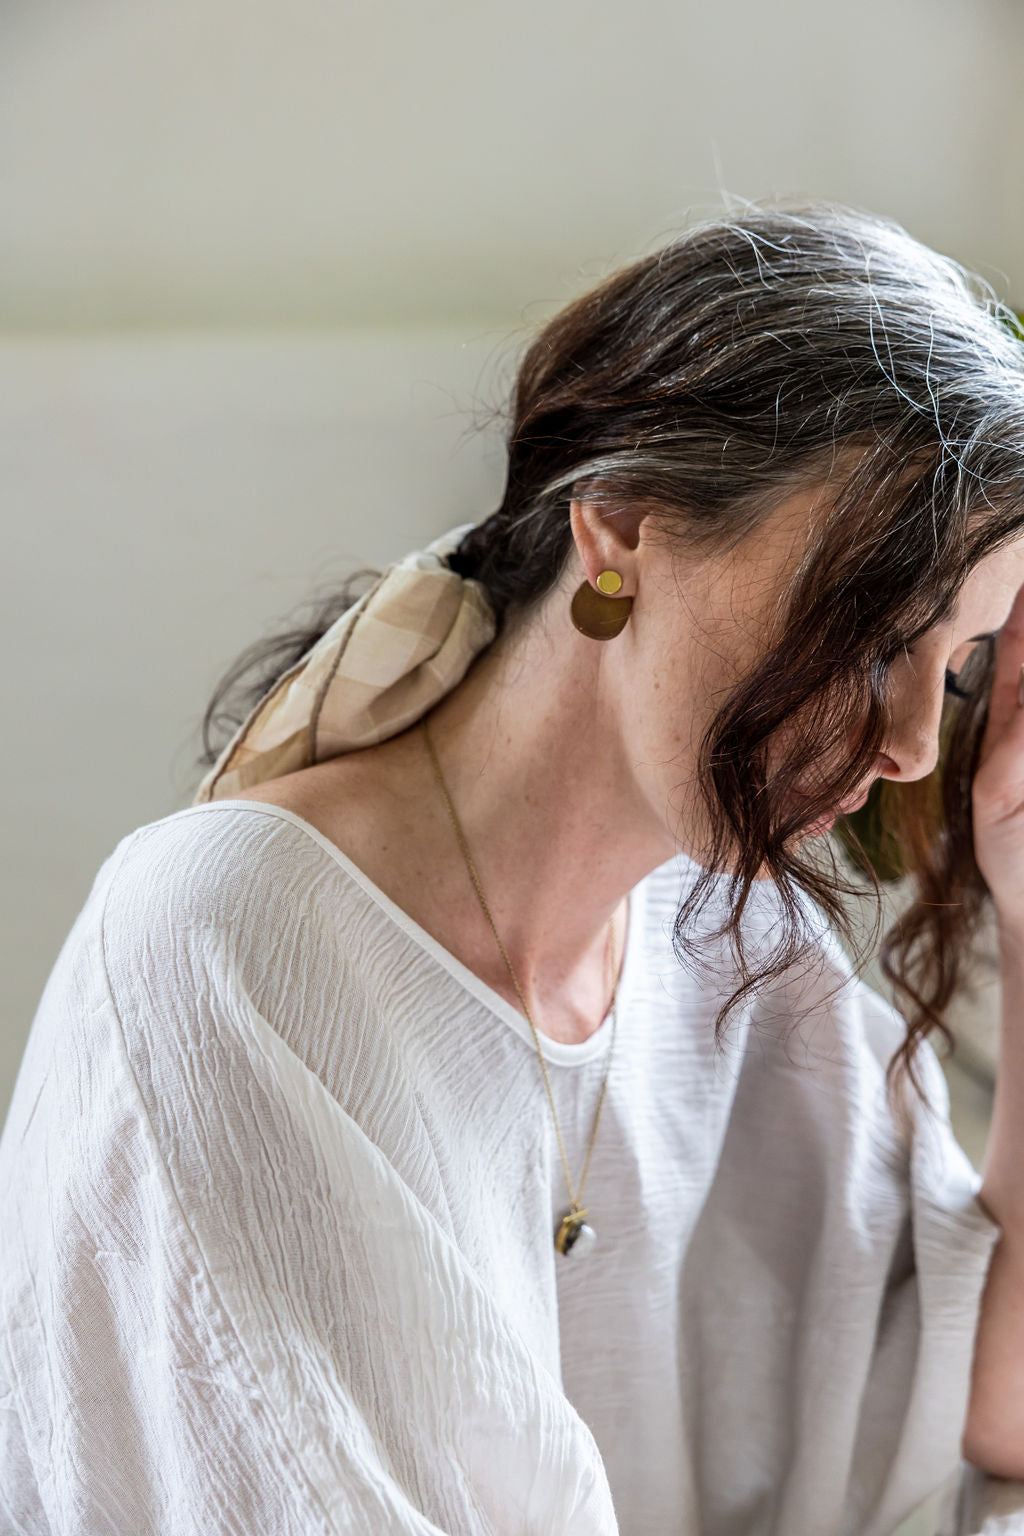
x,y
247,870
224,904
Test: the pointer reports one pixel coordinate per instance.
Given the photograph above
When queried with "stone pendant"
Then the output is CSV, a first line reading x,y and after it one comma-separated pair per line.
x,y
574,1235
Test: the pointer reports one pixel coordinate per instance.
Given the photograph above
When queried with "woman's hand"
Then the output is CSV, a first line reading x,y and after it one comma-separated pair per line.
x,y
997,793
993,1436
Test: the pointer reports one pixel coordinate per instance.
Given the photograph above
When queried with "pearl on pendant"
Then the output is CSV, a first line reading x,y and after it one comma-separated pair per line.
x,y
583,1241
574,1235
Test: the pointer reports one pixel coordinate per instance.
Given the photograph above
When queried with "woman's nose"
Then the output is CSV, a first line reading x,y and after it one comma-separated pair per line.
x,y
912,748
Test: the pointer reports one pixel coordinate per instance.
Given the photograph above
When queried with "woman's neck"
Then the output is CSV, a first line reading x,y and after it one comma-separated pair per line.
x,y
541,784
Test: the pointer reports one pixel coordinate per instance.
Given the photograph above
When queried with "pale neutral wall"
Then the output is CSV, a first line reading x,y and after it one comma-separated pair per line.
x,y
246,161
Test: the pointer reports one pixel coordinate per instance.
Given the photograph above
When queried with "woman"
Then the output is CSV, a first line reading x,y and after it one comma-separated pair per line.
x,y
464,1117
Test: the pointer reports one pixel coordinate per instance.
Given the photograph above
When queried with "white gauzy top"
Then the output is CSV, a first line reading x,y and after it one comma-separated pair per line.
x,y
278,1189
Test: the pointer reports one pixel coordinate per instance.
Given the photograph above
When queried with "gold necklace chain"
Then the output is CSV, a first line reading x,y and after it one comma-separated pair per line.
x,y
572,1225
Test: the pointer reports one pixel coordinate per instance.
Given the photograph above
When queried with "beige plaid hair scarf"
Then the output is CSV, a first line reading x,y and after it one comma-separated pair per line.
x,y
381,665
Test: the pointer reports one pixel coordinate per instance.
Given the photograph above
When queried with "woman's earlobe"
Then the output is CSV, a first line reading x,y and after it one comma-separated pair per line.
x,y
597,614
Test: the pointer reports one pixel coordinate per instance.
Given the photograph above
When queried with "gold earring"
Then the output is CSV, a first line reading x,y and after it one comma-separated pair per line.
x,y
597,614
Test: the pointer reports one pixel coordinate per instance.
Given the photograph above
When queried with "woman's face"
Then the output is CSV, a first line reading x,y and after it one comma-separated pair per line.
x,y
697,627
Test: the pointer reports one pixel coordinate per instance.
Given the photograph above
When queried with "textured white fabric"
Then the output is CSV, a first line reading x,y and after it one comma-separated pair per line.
x,y
278,1188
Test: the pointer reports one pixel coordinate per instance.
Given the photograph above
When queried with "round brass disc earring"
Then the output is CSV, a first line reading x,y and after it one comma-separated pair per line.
x,y
597,614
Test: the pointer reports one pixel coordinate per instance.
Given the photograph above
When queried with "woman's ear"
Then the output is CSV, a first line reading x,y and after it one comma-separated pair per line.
x,y
606,538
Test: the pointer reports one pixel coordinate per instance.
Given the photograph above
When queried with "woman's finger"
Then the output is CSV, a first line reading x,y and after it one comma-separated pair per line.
x,y
1004,701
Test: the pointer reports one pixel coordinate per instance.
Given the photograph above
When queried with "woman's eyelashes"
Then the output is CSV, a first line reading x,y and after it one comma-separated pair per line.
x,y
955,682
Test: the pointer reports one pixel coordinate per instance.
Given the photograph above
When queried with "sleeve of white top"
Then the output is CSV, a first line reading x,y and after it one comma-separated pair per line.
x,y
987,1506
916,1394
224,1312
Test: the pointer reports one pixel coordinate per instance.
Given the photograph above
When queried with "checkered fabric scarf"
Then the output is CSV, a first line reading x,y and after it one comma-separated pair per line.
x,y
382,664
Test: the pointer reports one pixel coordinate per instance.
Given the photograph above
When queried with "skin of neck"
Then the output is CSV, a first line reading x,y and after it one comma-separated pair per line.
x,y
535,766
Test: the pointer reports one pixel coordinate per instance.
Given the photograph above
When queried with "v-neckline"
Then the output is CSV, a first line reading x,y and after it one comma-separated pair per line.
x,y
557,1052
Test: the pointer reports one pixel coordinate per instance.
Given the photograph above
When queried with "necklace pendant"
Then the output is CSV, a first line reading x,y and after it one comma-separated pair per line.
x,y
574,1235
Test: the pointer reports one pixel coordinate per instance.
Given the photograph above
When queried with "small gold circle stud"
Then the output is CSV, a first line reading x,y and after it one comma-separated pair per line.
x,y
609,582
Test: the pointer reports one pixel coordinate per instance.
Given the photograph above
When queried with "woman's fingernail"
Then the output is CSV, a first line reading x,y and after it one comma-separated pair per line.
x,y
1020,687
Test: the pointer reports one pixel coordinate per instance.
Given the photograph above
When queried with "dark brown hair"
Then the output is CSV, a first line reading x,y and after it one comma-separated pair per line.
x,y
773,348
